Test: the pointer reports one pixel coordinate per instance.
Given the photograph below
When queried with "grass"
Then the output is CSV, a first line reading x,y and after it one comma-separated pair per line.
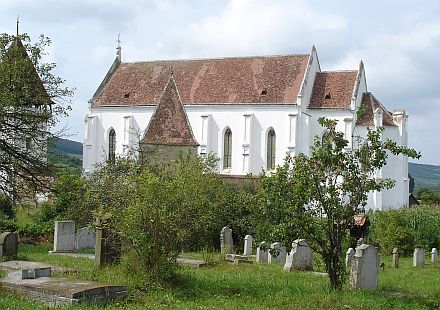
x,y
256,286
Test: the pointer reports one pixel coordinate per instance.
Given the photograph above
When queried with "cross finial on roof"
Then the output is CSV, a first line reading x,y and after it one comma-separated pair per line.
x,y
18,21
118,47
119,40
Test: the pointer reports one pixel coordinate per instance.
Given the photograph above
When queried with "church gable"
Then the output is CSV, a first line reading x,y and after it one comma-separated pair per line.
x,y
333,90
169,124
266,79
369,104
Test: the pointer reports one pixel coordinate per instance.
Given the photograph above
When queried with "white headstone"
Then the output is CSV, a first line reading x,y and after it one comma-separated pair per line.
x,y
434,255
278,254
226,242
348,256
247,245
85,238
262,255
365,268
300,257
418,257
64,236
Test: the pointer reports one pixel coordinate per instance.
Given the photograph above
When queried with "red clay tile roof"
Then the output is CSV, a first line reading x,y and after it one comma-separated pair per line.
x,y
333,90
266,79
370,103
169,124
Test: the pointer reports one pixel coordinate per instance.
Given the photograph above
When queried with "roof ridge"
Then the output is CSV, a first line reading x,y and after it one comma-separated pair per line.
x,y
216,58
339,71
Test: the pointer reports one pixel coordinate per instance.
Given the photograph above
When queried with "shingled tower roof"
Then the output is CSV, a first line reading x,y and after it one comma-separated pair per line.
x,y
169,124
26,79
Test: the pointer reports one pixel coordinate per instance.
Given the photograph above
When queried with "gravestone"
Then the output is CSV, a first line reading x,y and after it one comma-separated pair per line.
x,y
262,255
64,237
247,245
277,254
395,262
348,256
434,255
418,257
85,238
8,245
300,256
108,244
226,242
365,268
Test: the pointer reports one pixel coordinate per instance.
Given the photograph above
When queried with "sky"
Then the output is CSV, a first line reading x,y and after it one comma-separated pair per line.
x,y
398,41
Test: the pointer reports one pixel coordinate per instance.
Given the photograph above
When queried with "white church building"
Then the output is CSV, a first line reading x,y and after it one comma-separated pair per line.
x,y
248,111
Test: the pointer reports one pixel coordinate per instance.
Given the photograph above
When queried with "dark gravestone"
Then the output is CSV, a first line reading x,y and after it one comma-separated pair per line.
x,y
108,244
8,245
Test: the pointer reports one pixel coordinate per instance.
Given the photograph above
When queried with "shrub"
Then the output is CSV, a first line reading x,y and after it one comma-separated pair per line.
x,y
6,207
406,228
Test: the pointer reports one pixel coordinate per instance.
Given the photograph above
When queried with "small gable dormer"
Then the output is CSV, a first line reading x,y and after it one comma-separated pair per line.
x,y
169,132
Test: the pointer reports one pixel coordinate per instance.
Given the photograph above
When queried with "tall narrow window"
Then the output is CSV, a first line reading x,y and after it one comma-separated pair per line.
x,y
271,137
111,145
227,149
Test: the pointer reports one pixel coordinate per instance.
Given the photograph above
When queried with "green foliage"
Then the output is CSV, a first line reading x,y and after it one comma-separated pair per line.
x,y
7,224
67,204
315,197
32,99
406,228
6,207
159,211
65,164
428,196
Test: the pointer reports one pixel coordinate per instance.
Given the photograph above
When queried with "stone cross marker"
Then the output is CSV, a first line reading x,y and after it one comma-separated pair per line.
x,y
247,245
85,238
226,242
108,244
418,257
348,256
300,257
434,255
278,254
365,268
64,237
8,245
262,255
395,263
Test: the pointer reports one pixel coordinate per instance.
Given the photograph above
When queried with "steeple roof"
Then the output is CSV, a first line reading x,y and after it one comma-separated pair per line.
x,y
27,83
169,124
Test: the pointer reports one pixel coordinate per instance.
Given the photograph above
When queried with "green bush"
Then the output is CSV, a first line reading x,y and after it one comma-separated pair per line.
x,y
7,224
406,228
6,207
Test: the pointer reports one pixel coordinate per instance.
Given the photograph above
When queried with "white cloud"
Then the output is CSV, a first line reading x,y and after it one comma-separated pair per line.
x,y
250,26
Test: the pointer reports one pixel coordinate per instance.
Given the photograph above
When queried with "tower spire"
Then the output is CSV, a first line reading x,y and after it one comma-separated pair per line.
x,y
118,48
18,22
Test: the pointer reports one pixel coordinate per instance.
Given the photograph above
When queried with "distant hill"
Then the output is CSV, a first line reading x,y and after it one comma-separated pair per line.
x,y
425,176
66,156
69,147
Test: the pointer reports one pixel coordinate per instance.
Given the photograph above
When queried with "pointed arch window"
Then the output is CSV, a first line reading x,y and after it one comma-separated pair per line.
x,y
111,145
227,149
271,142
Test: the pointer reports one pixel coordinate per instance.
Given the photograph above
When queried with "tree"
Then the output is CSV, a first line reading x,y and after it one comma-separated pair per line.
x,y
32,98
318,196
